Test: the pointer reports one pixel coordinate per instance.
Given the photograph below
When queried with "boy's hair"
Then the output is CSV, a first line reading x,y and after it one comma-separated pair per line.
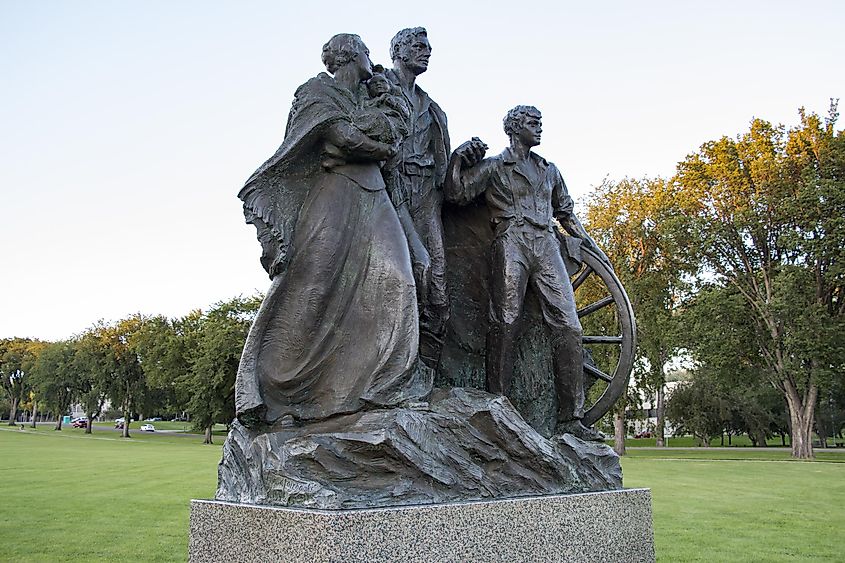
x,y
516,117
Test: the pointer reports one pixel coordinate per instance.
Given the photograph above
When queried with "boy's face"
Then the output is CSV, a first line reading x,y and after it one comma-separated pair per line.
x,y
378,85
531,130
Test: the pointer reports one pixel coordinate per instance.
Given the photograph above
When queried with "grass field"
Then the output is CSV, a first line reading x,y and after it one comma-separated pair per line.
x,y
72,497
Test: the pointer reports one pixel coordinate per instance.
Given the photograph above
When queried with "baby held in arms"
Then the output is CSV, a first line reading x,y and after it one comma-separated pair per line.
x,y
385,114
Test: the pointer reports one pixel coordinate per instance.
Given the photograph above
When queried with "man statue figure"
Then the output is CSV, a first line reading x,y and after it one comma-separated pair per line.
x,y
422,160
524,195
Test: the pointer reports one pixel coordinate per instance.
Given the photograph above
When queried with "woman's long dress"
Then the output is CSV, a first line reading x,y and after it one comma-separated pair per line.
x,y
338,329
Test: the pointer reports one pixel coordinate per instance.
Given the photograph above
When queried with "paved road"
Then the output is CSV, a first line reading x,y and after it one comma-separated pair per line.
x,y
107,427
111,428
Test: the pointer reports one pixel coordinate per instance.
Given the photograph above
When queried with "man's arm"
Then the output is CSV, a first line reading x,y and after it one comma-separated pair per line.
x,y
468,172
564,211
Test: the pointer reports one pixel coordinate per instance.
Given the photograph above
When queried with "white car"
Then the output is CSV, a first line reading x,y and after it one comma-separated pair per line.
x,y
148,428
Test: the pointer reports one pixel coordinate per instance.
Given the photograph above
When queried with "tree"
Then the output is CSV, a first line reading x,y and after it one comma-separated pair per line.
x,y
55,379
636,224
768,221
195,359
214,362
697,407
719,334
17,356
167,347
830,415
122,365
93,361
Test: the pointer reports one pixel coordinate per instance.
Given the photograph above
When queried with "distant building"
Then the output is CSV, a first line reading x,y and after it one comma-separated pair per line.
x,y
644,419
77,410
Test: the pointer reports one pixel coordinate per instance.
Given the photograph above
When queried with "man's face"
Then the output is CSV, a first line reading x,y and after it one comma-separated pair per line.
x,y
415,54
532,129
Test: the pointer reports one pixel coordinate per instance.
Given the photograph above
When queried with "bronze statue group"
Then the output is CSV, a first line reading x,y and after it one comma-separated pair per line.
x,y
349,213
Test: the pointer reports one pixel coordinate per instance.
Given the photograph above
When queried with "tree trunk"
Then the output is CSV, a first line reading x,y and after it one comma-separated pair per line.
x,y
761,438
207,438
13,411
822,430
801,416
660,429
90,417
802,441
34,413
58,423
619,432
126,424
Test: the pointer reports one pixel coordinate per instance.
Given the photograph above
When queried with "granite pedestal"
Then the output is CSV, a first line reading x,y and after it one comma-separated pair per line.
x,y
605,526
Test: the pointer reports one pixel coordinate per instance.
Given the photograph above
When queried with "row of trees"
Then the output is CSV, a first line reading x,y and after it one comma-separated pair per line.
x,y
738,262
139,365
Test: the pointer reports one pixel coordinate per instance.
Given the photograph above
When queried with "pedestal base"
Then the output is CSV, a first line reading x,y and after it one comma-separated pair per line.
x,y
605,526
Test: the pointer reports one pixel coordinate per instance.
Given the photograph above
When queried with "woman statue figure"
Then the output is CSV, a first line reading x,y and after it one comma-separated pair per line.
x,y
337,331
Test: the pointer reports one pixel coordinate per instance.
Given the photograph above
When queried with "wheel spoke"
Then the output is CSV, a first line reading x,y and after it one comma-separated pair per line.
x,y
593,307
596,372
581,277
602,340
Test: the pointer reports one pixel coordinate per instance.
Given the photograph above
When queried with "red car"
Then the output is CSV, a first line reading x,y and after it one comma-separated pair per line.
x,y
79,423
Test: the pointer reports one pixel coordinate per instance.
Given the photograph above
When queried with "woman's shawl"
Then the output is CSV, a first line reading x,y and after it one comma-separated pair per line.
x,y
274,194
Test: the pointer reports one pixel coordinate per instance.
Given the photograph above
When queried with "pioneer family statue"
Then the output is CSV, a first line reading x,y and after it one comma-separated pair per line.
x,y
416,296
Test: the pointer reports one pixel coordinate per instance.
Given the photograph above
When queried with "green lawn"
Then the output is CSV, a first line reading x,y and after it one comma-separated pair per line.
x,y
72,497
733,510
106,431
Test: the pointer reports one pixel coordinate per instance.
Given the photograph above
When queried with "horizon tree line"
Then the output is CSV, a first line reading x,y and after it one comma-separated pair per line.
x,y
736,262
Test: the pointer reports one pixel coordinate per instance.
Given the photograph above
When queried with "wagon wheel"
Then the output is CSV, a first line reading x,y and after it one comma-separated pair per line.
x,y
622,338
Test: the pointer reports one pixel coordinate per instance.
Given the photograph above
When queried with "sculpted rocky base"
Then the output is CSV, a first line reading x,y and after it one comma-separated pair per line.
x,y
464,444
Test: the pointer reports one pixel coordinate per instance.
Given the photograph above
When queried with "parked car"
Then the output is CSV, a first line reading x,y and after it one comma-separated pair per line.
x,y
153,419
148,428
80,423
118,422
645,434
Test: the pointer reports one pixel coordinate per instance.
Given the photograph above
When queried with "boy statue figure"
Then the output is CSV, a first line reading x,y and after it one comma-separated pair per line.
x,y
524,195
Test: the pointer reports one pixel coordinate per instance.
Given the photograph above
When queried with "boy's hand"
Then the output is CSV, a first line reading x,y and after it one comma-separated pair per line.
x,y
471,152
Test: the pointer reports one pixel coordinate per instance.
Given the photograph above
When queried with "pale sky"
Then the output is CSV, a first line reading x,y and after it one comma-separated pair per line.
x,y
129,127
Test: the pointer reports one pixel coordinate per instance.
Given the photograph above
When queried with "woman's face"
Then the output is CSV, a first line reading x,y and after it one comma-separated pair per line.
x,y
362,62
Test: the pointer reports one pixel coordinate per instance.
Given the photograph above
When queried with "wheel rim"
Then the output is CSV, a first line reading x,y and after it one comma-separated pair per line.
x,y
625,339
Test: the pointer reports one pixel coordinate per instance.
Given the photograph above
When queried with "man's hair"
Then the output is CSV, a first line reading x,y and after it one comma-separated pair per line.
x,y
340,49
516,117
405,37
